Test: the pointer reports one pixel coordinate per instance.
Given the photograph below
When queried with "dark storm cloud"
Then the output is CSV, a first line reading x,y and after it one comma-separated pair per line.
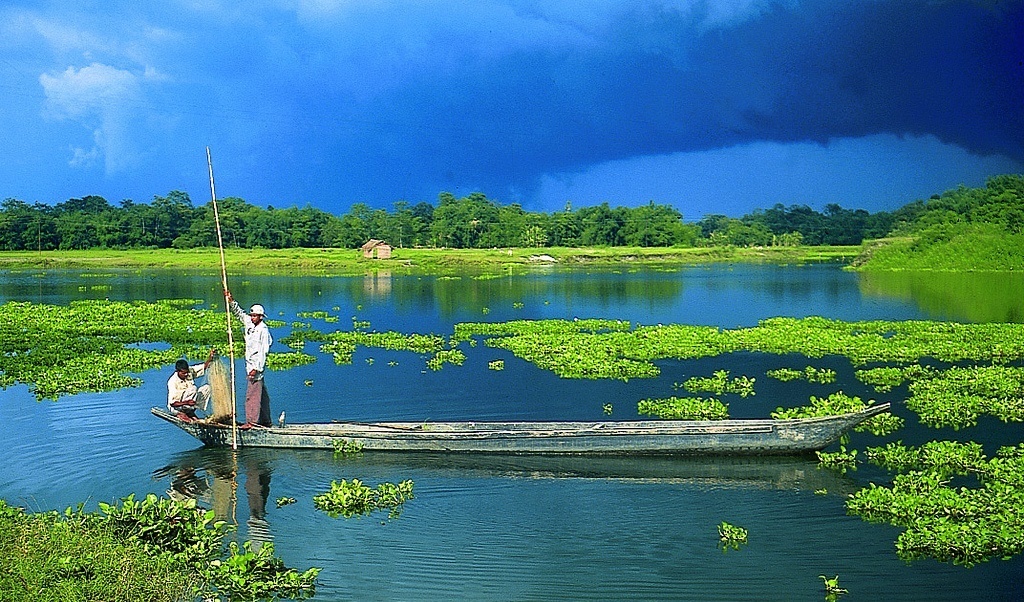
x,y
332,102
656,80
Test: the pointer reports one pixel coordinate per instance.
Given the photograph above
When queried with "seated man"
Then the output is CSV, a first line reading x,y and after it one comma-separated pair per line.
x,y
182,394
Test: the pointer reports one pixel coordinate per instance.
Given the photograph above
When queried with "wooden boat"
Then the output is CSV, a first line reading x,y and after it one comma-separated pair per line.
x,y
659,437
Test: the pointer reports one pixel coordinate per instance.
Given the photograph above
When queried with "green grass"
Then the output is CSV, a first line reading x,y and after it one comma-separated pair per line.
x,y
44,558
350,262
947,248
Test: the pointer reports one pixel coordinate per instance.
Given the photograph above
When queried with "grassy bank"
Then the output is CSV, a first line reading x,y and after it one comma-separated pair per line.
x,y
351,261
151,550
946,248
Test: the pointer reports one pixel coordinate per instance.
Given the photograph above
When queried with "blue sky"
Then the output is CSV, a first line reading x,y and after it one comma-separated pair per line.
x,y
712,106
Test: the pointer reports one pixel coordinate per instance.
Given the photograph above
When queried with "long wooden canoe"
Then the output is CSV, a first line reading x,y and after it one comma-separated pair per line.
x,y
736,437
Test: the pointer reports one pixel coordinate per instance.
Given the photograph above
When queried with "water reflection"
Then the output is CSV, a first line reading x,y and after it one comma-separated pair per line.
x,y
212,477
970,297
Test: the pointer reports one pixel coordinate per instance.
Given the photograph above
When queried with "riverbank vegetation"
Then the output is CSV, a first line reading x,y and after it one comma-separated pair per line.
x,y
942,232
152,549
965,229
471,222
477,263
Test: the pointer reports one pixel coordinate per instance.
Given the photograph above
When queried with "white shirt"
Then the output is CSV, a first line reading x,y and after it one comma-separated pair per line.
x,y
257,341
183,390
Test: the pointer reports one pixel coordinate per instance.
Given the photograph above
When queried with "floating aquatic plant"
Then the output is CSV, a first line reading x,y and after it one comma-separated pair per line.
x,y
810,374
731,536
446,356
964,525
958,396
284,361
684,408
836,403
946,458
832,589
353,498
839,461
345,447
720,383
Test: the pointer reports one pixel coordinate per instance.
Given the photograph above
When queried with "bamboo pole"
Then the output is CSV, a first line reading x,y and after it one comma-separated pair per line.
x,y
227,306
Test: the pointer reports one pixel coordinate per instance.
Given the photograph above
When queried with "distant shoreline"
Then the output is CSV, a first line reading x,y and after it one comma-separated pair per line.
x,y
350,262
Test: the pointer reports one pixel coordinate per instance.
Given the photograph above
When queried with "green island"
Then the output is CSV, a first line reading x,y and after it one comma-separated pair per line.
x,y
951,502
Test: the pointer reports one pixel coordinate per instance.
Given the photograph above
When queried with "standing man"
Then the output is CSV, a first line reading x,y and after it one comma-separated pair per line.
x,y
257,345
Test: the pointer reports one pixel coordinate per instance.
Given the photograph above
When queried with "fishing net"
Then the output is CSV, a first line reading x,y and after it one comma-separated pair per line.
x,y
218,376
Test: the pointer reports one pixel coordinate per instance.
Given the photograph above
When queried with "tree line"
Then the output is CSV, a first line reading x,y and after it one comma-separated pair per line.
x,y
475,221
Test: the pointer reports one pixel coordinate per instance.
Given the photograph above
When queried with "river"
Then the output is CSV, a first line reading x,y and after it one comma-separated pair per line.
x,y
518,528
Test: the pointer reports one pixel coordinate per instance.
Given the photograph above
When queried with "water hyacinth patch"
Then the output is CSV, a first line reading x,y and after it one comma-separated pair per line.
x,y
93,345
730,536
946,458
958,396
811,374
684,408
887,378
881,425
353,498
839,461
720,383
446,356
343,344
836,403
611,349
963,525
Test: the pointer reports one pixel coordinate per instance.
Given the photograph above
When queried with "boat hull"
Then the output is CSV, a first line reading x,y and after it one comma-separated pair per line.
x,y
661,437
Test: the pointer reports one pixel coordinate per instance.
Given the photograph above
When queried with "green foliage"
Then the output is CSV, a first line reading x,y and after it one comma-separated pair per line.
x,y
343,344
839,461
832,589
944,458
165,526
963,525
248,575
720,384
496,365
610,349
345,447
887,378
353,498
284,361
92,345
957,396
153,549
965,229
811,374
446,356
684,408
731,536
881,425
834,404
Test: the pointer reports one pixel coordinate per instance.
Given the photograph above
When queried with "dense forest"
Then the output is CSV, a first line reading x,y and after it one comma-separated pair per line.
x,y
476,221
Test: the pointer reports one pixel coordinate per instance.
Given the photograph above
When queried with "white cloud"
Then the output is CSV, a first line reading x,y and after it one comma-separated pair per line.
x,y
101,98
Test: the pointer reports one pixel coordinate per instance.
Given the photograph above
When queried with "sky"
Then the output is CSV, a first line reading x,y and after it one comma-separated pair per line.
x,y
711,106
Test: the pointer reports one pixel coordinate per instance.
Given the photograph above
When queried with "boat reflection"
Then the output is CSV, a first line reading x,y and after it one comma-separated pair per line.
x,y
209,474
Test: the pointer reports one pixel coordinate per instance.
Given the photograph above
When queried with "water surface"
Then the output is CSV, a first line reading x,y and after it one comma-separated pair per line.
x,y
509,528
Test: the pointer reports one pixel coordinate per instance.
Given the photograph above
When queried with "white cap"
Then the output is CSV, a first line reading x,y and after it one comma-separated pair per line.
x,y
257,309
